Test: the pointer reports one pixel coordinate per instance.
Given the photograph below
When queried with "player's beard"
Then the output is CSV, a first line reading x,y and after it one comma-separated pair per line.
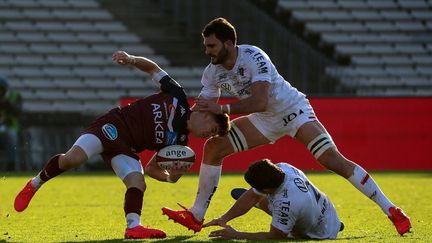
x,y
221,57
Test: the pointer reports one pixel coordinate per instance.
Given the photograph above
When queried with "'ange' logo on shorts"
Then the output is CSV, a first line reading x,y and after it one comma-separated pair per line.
x,y
110,131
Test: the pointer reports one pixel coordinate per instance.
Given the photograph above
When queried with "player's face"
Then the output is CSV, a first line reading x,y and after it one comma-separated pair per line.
x,y
215,49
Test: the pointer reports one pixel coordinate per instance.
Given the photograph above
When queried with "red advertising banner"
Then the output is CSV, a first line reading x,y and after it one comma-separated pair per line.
x,y
377,133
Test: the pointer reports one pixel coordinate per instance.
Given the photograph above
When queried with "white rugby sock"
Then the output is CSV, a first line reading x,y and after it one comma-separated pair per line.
x,y
37,182
132,220
208,181
364,183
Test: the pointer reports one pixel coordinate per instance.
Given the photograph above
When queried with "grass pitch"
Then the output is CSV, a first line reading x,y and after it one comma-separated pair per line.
x,y
83,207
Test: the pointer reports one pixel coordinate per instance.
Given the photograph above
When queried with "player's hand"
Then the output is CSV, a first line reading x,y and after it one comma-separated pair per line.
x,y
123,58
224,234
207,105
216,222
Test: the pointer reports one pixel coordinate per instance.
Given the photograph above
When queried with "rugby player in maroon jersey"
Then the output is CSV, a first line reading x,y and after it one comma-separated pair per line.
x,y
150,123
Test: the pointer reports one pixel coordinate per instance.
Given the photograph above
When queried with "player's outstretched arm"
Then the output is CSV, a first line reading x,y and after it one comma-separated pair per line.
x,y
142,63
240,207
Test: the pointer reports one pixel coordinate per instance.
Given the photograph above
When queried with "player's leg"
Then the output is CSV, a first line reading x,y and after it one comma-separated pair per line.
x,y
130,171
86,146
243,136
321,145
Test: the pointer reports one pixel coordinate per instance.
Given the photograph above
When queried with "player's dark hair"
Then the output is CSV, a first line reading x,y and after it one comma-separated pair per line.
x,y
263,174
223,122
222,29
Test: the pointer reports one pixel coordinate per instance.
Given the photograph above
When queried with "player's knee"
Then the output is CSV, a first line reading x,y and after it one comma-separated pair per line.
x,y
216,148
135,180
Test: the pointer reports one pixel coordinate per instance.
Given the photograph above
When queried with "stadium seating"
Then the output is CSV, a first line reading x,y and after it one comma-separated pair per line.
x,y
386,42
58,55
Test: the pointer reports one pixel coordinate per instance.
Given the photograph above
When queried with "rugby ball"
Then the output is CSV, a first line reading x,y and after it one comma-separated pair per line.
x,y
175,157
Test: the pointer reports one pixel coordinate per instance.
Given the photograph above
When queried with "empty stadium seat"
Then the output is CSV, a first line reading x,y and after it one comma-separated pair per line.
x,y
384,41
57,50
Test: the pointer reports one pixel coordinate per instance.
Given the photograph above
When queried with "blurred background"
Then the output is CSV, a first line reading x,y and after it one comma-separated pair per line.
x,y
57,72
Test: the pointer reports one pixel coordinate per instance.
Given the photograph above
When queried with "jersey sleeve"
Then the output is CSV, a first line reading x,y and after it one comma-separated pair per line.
x,y
259,66
210,89
169,85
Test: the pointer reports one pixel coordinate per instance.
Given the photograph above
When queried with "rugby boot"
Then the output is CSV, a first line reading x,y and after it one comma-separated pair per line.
x,y
237,192
24,197
400,220
141,232
183,217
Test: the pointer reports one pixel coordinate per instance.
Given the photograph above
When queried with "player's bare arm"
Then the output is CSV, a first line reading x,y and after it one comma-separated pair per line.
x,y
240,207
257,102
199,99
142,63
153,170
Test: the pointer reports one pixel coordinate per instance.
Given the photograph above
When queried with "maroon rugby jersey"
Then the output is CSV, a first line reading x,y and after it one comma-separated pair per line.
x,y
158,120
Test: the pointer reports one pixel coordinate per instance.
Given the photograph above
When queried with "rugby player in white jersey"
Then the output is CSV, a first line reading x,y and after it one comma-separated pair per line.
x,y
298,209
275,109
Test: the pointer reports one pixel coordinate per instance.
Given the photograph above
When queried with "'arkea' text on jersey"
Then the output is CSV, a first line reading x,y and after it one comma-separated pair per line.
x,y
159,129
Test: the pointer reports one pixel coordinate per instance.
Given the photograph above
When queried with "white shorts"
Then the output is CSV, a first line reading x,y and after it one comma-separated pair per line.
x,y
276,125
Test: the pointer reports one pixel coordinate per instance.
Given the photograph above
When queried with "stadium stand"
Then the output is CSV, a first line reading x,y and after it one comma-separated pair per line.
x,y
58,55
385,44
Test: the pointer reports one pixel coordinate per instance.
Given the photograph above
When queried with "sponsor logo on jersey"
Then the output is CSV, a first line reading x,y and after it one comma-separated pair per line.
x,y
261,63
226,87
300,184
165,109
243,92
182,111
171,138
291,117
110,131
159,128
249,51
241,71
284,210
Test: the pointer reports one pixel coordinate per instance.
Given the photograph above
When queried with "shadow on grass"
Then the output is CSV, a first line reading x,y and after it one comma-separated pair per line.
x,y
167,240
351,238
185,238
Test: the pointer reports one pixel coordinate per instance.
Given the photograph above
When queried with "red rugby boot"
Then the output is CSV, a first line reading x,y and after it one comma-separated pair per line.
x,y
400,220
141,232
183,217
24,197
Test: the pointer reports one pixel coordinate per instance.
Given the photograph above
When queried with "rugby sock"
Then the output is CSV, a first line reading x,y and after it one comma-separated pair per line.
x,y
37,182
132,206
50,170
364,183
208,181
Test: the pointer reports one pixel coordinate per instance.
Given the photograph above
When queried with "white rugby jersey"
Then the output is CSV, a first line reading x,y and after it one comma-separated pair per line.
x,y
252,65
300,209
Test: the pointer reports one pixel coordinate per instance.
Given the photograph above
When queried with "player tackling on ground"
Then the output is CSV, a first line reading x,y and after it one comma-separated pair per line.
x,y
297,207
275,109
150,123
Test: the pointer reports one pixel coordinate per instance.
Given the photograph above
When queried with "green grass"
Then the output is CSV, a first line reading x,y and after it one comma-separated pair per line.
x,y
82,207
